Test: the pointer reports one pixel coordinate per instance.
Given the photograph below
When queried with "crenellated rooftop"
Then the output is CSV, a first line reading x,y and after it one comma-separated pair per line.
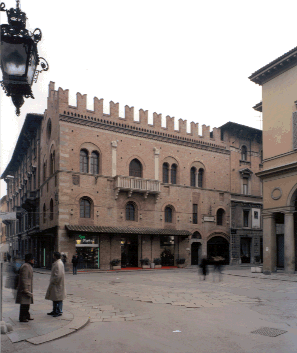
x,y
60,99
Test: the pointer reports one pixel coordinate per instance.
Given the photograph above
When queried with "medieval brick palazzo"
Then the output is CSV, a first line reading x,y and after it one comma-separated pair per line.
x,y
115,188
279,105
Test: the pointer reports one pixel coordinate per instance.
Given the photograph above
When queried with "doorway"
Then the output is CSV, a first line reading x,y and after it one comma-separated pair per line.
x,y
245,250
129,251
195,253
218,246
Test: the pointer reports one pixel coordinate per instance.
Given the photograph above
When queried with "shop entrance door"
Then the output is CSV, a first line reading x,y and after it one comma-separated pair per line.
x,y
245,250
129,251
218,246
195,253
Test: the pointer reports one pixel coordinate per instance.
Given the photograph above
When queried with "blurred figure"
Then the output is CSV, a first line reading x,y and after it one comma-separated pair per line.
x,y
218,261
75,263
204,268
24,295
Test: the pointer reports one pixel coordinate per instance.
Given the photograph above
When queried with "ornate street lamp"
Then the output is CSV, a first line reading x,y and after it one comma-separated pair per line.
x,y
19,56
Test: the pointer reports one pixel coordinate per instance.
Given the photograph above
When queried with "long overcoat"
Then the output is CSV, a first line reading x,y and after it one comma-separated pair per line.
x,y
56,290
25,285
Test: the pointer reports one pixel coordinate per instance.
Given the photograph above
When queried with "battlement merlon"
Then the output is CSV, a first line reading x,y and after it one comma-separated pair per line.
x,y
59,100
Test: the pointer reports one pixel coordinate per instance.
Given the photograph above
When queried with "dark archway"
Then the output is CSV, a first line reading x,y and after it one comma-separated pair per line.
x,y
218,246
195,253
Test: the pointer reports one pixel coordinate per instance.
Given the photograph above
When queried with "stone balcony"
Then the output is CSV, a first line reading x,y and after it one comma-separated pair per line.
x,y
134,184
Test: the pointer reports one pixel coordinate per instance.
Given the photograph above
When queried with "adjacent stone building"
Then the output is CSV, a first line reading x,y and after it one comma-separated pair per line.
x,y
111,187
279,106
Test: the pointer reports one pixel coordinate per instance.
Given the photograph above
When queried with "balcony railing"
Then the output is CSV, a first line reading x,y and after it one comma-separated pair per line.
x,y
134,184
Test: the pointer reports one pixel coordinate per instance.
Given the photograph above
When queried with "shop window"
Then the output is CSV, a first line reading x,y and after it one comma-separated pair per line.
x,y
130,211
84,161
220,217
200,178
246,215
135,168
165,173
51,209
193,176
95,162
243,153
173,173
85,208
168,214
195,213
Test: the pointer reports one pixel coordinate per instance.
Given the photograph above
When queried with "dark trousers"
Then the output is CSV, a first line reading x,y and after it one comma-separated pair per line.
x,y
24,312
75,269
58,307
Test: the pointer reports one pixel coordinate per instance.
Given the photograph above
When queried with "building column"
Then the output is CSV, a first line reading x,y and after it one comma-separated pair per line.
x,y
289,243
269,244
196,178
156,153
114,146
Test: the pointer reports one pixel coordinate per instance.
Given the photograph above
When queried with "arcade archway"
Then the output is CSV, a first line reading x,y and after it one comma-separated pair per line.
x,y
218,246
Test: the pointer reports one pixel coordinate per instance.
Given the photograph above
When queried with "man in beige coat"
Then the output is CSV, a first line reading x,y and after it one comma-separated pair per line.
x,y
25,288
56,290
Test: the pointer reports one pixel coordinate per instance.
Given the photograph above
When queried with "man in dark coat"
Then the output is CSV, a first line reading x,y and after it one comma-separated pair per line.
x,y
75,262
24,295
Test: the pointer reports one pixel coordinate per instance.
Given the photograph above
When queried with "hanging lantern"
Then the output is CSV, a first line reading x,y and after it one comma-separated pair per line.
x,y
19,57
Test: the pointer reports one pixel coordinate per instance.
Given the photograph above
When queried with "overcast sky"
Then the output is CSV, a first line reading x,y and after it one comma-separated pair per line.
x,y
188,59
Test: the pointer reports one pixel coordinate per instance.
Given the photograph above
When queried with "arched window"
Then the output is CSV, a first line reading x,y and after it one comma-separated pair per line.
x,y
44,213
193,176
200,178
130,211
165,173
196,235
51,209
44,171
243,153
220,217
52,163
135,168
85,208
95,162
173,173
168,214
84,161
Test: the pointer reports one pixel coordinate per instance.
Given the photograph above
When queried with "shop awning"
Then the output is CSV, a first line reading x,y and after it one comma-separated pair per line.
x,y
127,230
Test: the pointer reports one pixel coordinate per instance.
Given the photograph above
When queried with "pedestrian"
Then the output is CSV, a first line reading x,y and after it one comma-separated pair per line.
x,y
75,262
56,290
64,258
24,295
8,257
204,267
218,260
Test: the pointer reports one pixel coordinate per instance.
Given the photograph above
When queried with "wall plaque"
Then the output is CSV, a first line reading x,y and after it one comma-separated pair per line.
x,y
208,218
75,179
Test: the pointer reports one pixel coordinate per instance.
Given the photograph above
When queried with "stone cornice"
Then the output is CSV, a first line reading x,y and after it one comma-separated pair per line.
x,y
285,168
149,134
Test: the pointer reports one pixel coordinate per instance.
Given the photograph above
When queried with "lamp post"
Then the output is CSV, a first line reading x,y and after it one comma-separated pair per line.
x,y
19,56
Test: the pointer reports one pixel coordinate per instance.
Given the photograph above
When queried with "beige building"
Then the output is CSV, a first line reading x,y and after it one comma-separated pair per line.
x,y
279,86
110,187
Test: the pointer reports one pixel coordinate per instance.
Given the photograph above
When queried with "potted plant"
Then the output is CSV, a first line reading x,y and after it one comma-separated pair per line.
x,y
257,268
115,264
157,263
145,263
181,262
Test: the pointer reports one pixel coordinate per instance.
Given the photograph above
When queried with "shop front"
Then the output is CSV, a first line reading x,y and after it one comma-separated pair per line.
x,y
87,248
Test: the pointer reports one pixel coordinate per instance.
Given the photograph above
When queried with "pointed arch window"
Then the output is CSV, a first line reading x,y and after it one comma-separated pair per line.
x,y
165,173
95,162
173,173
135,168
84,161
85,208
51,209
44,171
243,153
52,163
200,178
193,176
168,214
130,211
